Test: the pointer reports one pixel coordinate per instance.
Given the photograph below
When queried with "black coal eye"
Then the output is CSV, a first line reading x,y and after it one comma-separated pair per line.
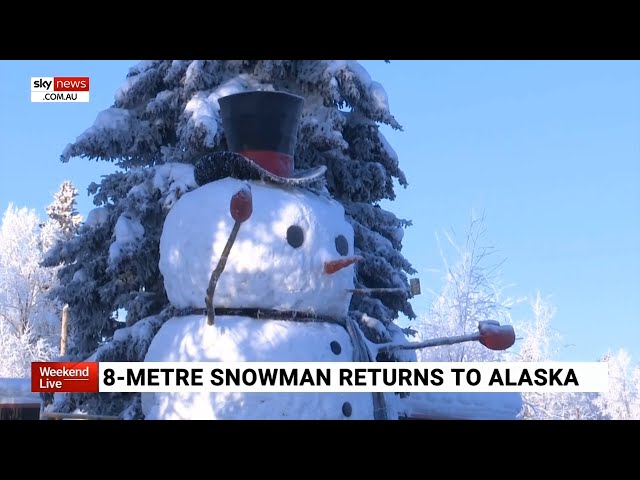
x,y
342,246
295,236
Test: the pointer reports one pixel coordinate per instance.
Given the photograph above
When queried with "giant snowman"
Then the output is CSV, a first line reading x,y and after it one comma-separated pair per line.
x,y
260,265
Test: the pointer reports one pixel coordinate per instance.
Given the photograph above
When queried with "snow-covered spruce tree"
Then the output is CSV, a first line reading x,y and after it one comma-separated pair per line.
x,y
165,117
63,209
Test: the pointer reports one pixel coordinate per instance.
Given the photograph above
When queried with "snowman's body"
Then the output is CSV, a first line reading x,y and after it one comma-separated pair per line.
x,y
276,263
240,339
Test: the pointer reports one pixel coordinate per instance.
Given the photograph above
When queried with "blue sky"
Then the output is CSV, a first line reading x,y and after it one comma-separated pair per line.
x,y
549,150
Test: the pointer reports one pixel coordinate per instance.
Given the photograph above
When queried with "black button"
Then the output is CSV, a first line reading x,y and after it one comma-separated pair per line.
x,y
342,245
346,409
336,348
295,236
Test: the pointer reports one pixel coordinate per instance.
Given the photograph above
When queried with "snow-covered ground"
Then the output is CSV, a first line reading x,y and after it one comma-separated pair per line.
x,y
462,406
17,391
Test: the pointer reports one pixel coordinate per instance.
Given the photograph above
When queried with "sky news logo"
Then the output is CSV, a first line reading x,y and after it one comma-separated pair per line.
x,y
59,89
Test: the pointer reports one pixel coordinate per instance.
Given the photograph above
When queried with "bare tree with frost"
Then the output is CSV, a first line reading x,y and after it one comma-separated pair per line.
x,y
622,401
164,118
541,343
29,319
471,293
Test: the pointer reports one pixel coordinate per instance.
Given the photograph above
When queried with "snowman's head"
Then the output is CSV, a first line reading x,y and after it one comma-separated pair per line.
x,y
295,251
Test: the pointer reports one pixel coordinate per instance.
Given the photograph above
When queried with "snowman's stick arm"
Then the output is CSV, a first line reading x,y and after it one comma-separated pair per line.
x,y
435,342
241,208
364,291
490,334
215,275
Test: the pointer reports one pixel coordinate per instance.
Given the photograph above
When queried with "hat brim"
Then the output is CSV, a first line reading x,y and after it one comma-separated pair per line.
x,y
219,165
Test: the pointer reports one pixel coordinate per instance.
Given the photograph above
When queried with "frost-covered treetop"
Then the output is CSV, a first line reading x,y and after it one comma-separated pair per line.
x,y
63,209
167,111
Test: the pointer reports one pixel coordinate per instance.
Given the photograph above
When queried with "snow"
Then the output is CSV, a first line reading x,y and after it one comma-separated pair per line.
x,y
164,96
204,113
360,71
97,217
334,66
387,146
126,232
375,325
398,337
111,119
192,70
398,234
111,122
174,179
80,276
263,270
203,109
238,84
377,94
123,91
17,390
138,331
142,66
463,406
243,339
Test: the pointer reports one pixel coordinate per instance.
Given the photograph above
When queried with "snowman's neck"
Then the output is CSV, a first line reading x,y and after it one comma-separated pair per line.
x,y
265,314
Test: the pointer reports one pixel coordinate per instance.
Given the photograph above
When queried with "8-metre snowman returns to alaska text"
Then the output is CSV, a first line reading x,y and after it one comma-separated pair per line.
x,y
274,258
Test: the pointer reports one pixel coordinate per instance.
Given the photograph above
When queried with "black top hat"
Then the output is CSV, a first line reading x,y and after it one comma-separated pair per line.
x,y
261,130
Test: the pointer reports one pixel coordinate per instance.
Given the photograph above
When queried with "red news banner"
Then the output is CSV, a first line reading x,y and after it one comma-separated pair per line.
x,y
56,377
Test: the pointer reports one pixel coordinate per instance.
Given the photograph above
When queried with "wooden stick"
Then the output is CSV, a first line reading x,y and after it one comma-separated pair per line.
x,y
63,330
365,291
77,416
436,342
218,271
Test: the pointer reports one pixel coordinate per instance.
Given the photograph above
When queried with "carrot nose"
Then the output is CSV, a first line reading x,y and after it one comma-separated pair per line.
x,y
335,265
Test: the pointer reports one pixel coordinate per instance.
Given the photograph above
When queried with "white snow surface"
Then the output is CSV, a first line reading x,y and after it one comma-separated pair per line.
x,y
126,232
203,112
263,270
80,276
173,180
398,234
463,406
17,390
125,87
203,108
112,119
243,339
379,96
387,146
97,216
376,91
